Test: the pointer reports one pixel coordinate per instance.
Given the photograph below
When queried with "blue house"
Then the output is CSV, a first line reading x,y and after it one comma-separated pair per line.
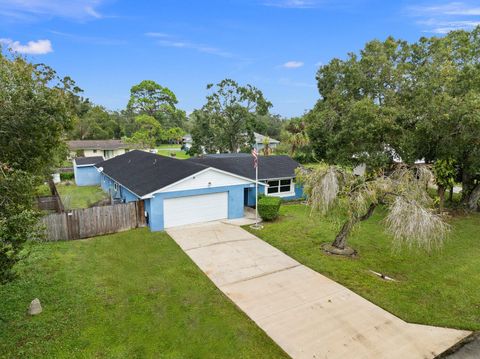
x,y
277,172
179,192
86,174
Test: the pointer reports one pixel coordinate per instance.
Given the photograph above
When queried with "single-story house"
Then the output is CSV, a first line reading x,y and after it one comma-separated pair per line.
x,y
93,148
261,139
277,172
86,174
178,192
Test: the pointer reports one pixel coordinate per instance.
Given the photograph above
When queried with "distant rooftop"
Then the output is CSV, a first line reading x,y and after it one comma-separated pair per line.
x,y
98,145
259,138
227,155
85,161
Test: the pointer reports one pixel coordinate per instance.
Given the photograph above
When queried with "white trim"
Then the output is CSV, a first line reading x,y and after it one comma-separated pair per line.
x,y
282,194
165,189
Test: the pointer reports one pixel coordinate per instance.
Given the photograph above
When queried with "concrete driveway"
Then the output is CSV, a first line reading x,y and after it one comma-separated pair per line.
x,y
304,312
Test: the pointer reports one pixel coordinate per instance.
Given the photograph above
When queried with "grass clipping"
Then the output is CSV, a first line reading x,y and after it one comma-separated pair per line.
x,y
412,225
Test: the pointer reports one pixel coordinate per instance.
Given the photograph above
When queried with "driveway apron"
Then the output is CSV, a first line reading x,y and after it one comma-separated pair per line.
x,y
304,312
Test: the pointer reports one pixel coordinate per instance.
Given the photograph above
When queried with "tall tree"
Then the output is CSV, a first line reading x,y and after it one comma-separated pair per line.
x,y
396,100
227,121
96,124
150,98
149,132
37,108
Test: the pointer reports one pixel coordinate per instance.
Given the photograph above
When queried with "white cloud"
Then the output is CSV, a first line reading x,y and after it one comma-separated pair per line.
x,y
295,4
40,9
156,34
167,40
452,8
446,17
292,64
39,47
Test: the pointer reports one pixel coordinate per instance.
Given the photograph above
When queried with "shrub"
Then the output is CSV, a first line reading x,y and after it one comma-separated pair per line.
x,y
67,176
268,207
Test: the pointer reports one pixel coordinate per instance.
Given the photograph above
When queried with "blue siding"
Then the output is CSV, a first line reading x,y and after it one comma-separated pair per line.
x,y
235,202
251,194
122,193
298,193
86,176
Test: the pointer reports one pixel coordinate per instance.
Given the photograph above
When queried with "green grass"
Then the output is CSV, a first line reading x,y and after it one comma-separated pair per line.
x,y
167,150
167,145
440,288
130,295
79,197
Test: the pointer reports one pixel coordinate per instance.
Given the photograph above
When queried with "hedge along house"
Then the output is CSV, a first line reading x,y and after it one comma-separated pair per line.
x,y
86,174
174,192
277,172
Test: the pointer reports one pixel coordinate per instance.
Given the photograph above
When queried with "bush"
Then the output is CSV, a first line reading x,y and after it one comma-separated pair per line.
x,y
67,176
268,207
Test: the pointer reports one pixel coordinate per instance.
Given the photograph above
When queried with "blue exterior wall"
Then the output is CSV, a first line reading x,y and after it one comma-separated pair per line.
x,y
251,194
86,176
122,193
235,202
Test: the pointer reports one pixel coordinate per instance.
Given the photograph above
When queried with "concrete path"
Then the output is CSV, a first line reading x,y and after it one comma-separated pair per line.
x,y
305,313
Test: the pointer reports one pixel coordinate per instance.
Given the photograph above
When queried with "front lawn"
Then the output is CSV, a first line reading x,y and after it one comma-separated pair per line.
x,y
130,295
74,196
439,288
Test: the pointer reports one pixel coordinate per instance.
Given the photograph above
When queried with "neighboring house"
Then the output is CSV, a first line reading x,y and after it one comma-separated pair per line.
x,y
86,174
93,148
260,141
175,192
178,192
278,172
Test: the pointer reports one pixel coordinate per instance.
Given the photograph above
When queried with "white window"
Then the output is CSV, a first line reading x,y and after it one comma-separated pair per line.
x,y
281,187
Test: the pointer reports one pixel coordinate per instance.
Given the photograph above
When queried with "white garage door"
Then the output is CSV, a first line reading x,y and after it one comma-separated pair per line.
x,y
195,209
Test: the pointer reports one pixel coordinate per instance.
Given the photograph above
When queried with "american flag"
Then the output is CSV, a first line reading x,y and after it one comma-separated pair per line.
x,y
255,158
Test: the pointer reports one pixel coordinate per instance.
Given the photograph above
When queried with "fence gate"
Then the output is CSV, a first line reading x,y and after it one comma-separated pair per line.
x,y
73,225
141,213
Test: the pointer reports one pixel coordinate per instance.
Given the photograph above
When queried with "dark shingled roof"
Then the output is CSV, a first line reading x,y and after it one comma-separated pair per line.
x,y
143,172
269,166
85,161
98,145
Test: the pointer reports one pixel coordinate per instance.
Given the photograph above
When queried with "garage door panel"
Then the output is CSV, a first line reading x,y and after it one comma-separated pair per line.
x,y
195,209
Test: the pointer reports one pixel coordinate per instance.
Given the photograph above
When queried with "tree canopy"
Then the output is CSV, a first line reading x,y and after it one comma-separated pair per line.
x,y
37,108
228,119
150,98
403,100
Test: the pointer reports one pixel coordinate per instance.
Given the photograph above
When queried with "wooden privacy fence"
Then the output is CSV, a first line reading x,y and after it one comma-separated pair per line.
x,y
94,221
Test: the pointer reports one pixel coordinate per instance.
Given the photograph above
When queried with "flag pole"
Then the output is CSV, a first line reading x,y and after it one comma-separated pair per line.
x,y
256,195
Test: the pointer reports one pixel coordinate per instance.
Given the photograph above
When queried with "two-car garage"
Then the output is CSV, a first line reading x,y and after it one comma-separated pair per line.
x,y
195,209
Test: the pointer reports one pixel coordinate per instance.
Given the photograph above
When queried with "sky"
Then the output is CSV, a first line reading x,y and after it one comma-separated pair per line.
x,y
107,46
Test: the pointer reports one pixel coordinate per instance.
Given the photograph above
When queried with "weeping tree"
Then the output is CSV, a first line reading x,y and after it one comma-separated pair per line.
x,y
410,219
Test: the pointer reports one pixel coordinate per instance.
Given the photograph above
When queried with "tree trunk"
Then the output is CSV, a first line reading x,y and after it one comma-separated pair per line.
x,y
451,194
341,239
473,202
441,195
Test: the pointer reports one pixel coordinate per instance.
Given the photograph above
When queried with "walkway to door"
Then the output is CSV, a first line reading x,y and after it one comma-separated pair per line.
x,y
305,313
